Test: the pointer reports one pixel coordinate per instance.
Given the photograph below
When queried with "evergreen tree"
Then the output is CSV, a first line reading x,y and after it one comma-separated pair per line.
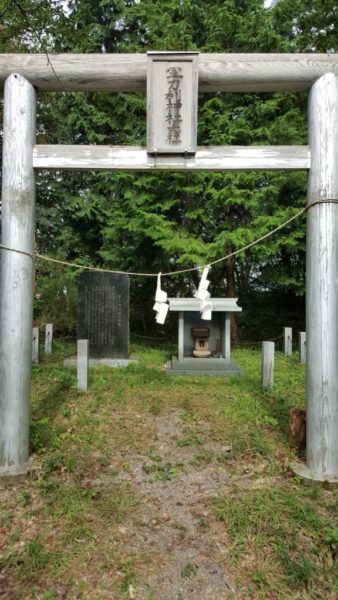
x,y
144,222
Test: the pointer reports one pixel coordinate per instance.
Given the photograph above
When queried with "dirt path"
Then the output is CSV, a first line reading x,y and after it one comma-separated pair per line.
x,y
184,549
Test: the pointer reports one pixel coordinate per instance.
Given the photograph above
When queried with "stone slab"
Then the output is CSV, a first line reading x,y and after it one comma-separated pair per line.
x,y
103,314
98,362
199,363
215,367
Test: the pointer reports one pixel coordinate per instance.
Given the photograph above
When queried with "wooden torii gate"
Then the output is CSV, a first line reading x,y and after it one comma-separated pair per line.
x,y
317,73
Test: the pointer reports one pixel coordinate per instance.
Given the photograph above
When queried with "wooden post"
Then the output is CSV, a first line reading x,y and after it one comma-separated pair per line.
x,y
268,364
82,365
287,332
302,347
17,271
49,338
321,283
35,345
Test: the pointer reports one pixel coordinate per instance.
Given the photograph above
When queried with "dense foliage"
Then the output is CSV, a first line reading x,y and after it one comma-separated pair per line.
x,y
148,222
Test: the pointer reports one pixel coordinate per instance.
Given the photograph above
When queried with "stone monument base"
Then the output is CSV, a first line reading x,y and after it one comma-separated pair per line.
x,y
115,363
202,366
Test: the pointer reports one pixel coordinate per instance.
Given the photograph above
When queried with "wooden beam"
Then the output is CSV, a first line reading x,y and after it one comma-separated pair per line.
x,y
217,158
127,72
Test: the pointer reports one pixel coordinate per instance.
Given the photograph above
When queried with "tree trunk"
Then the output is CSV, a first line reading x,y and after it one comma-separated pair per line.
x,y
230,292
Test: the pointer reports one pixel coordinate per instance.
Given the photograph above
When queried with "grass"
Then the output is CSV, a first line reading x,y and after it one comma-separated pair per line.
x,y
61,529
188,570
161,472
282,528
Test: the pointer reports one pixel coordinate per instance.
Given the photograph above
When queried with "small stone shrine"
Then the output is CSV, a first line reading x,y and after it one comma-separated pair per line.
x,y
203,346
201,342
103,315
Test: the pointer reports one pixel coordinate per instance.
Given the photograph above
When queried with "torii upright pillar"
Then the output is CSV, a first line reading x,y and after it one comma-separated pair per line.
x,y
17,271
321,285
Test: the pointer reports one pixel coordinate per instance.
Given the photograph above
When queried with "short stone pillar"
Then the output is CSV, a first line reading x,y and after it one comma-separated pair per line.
x,y
287,332
49,338
268,364
35,345
302,347
82,364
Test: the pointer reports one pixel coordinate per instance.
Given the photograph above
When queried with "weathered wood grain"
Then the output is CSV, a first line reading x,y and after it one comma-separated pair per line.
x,y
127,72
216,158
16,281
321,282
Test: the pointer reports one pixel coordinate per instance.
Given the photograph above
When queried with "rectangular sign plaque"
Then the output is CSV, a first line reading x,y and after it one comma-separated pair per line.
x,y
172,84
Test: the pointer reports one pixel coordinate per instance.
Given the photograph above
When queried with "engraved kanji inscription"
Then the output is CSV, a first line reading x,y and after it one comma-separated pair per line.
x,y
174,105
103,314
172,83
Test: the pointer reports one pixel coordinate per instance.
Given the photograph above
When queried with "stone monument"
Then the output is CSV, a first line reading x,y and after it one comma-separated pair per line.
x,y
103,314
103,318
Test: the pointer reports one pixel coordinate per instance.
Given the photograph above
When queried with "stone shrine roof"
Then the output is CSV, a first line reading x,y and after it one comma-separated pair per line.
x,y
191,304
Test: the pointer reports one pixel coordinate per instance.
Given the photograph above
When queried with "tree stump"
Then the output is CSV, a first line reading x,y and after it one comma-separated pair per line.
x,y
297,428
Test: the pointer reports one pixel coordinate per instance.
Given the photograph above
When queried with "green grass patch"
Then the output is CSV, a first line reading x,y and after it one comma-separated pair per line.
x,y
200,459
61,530
161,472
189,570
281,526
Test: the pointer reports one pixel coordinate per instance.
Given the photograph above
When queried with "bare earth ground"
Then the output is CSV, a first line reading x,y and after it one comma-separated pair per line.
x,y
186,548
170,532
181,550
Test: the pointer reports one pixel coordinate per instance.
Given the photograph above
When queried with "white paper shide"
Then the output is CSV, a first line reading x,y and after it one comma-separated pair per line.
x,y
161,306
204,296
